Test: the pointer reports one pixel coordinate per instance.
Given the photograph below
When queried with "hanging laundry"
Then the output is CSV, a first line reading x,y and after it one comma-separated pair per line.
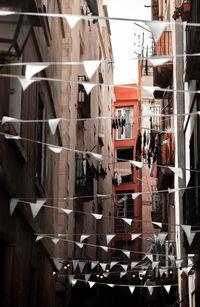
x,y
144,138
153,171
138,146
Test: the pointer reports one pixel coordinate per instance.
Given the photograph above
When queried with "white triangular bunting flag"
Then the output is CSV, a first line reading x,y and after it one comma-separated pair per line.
x,y
124,266
109,238
72,20
191,237
53,123
97,216
135,235
122,274
67,211
159,62
39,238
127,253
135,195
88,87
35,207
105,274
6,13
150,257
71,277
162,237
185,270
133,264
178,263
87,277
74,281
91,283
172,190
31,70
132,288
150,89
167,288
171,257
136,163
111,285
187,230
81,266
178,171
91,67
56,149
157,224
57,263
128,221
25,83
113,263
157,28
75,263
10,136
162,271
6,119
80,245
55,240
154,264
105,248
103,266
13,203
83,237
96,156
93,264
150,288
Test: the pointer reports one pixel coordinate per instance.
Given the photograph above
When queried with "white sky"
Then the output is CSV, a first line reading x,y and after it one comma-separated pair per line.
x,y
123,38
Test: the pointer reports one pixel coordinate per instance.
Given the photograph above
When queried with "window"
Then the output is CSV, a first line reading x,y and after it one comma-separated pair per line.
x,y
124,210
126,153
83,99
84,176
124,133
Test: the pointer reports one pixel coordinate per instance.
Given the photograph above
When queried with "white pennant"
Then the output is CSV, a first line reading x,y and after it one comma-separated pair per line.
x,y
80,245
150,257
154,264
71,277
105,274
113,263
91,67
135,195
93,264
105,248
162,237
88,87
127,253
172,190
157,28
13,203
133,264
132,288
122,274
96,156
72,20
162,271
55,240
83,237
150,288
191,237
136,163
171,257
185,270
111,285
73,282
6,13
97,216
87,277
25,83
53,123
158,62
56,149
128,221
91,283
57,263
167,288
124,266
187,230
67,211
109,238
103,266
178,263
14,137
31,70
178,171
6,119
81,266
135,235
35,207
150,90
157,224
39,238
75,263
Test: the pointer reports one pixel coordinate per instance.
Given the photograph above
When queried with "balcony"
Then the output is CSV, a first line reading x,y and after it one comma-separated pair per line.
x,y
84,177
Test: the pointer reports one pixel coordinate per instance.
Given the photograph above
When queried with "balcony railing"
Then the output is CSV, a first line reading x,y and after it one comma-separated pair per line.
x,y
84,177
